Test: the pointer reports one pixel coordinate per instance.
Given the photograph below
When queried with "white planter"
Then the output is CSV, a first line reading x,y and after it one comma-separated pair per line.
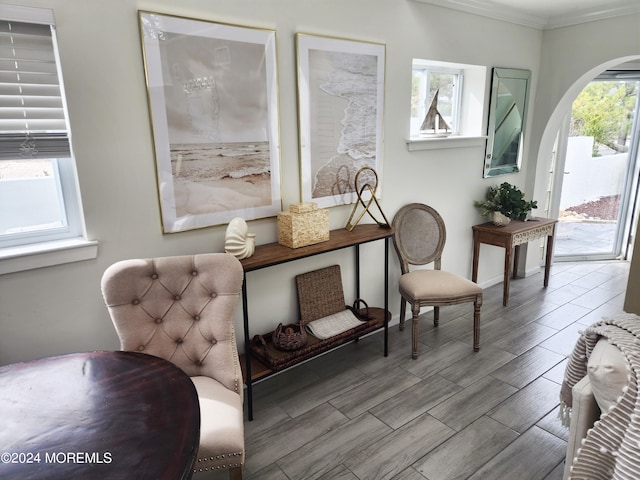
x,y
499,219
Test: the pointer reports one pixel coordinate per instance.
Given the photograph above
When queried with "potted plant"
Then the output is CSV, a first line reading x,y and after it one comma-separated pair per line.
x,y
505,202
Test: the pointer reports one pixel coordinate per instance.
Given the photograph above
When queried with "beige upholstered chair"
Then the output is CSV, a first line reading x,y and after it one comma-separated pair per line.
x,y
182,309
419,239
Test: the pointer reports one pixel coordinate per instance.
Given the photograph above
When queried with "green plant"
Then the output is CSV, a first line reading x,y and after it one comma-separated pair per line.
x,y
506,199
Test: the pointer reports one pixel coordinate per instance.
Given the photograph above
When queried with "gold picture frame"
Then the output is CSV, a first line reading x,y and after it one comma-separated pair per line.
x,y
213,103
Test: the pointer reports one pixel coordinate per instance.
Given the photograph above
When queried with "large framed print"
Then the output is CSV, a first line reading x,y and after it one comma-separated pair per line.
x,y
341,99
213,101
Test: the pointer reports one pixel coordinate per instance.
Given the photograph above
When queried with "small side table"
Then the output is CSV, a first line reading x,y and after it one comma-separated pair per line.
x,y
510,237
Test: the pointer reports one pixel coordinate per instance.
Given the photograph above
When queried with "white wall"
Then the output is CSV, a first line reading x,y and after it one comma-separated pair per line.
x,y
591,177
59,309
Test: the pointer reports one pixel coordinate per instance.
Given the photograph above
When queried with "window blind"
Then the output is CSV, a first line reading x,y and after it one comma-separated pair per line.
x,y
32,115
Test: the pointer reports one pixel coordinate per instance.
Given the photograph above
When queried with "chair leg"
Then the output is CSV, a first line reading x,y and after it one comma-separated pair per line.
x,y
476,324
436,316
415,332
403,312
235,473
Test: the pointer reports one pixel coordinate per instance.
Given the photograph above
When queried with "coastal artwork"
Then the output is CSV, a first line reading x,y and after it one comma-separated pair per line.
x,y
214,115
341,88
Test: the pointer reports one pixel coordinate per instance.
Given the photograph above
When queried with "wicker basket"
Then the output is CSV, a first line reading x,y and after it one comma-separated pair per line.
x,y
289,337
320,293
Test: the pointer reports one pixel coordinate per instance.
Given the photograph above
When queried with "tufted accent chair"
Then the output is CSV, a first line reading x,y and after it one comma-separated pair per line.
x,y
182,309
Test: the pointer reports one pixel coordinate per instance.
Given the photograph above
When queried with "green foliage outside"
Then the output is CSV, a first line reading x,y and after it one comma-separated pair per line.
x,y
604,111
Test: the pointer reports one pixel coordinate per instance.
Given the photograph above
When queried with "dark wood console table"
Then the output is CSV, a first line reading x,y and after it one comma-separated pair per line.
x,y
107,415
510,237
275,254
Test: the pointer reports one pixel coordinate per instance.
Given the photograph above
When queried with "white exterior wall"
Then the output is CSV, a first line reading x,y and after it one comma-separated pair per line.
x,y
591,177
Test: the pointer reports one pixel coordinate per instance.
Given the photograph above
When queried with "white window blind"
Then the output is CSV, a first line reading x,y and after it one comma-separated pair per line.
x,y
41,221
32,114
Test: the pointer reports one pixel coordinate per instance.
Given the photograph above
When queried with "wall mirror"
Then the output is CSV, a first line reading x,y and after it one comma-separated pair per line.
x,y
507,116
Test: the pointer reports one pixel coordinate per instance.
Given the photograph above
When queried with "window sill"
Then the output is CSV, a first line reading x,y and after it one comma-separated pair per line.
x,y
47,254
420,143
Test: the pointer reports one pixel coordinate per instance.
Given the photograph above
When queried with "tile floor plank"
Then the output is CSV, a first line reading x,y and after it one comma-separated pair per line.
x,y
415,400
531,456
373,392
527,367
468,405
460,456
290,435
398,450
524,408
331,448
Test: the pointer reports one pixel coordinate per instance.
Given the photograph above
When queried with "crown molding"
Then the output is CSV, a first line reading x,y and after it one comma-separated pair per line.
x,y
591,15
490,9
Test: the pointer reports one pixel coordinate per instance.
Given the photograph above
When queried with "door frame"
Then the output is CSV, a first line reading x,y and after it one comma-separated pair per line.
x,y
628,209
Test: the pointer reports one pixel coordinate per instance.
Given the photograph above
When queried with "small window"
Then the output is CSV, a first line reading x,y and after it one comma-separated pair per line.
x,y
435,87
39,200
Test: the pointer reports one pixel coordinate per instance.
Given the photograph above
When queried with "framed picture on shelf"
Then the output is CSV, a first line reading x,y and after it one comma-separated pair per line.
x,y
341,98
213,103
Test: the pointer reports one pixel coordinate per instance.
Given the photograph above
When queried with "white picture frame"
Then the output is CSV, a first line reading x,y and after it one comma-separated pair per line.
x,y
341,109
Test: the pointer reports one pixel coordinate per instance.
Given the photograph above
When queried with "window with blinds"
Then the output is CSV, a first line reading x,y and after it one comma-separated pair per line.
x,y
39,201
32,117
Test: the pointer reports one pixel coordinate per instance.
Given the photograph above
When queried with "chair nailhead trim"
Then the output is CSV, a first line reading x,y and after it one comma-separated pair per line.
x,y
218,467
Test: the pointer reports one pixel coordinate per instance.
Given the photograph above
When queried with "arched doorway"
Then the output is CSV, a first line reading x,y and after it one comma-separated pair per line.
x,y
595,173
553,151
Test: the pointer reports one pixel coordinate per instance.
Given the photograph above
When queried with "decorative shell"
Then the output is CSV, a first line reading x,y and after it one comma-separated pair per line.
x,y
238,242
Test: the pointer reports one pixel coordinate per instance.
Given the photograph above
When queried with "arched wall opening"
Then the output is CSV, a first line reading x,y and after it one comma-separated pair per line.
x,y
539,181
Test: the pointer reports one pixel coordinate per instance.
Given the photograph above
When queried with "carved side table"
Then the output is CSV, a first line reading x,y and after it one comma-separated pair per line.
x,y
510,237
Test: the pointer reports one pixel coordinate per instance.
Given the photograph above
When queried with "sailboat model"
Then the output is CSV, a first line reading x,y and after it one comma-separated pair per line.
x,y
434,124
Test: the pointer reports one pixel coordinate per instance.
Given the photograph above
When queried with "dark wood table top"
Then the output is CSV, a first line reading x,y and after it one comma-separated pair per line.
x,y
97,415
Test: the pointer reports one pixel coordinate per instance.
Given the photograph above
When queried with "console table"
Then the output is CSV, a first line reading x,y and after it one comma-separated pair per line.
x,y
275,254
510,237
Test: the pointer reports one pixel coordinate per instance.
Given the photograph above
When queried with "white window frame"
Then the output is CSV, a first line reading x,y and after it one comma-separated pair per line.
x,y
68,243
424,69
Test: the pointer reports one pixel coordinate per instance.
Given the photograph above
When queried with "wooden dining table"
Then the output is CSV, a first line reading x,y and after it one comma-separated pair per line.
x,y
97,415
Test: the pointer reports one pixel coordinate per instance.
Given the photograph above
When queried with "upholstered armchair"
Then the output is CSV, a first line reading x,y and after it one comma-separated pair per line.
x,y
182,309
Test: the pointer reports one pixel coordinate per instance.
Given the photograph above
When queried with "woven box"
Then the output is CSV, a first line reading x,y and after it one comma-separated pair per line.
x,y
304,224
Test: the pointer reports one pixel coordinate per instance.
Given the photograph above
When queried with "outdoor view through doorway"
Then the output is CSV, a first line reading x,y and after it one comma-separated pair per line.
x,y
599,172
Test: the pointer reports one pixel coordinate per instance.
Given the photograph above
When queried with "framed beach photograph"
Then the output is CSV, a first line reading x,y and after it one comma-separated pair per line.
x,y
213,101
341,99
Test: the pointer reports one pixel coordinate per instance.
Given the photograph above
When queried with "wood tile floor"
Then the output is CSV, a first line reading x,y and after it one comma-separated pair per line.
x,y
451,414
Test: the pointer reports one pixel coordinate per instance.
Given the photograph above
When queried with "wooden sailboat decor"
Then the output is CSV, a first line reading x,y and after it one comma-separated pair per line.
x,y
434,125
